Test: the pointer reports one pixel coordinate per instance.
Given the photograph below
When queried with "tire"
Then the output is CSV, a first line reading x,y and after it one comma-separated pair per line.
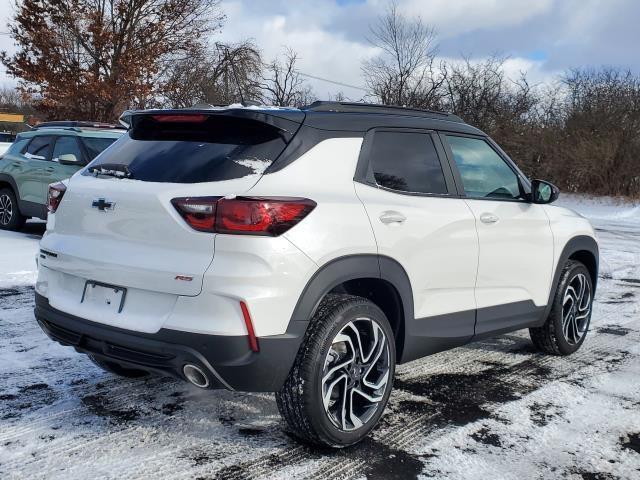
x,y
565,329
331,341
10,216
117,369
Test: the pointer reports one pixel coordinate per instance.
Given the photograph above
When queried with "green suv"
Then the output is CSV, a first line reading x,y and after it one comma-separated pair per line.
x,y
51,152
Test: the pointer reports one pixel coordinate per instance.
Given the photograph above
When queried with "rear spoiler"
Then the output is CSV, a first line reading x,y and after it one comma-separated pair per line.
x,y
286,120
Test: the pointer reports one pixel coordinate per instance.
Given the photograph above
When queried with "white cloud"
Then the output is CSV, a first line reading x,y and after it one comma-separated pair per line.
x,y
454,17
330,38
321,53
6,42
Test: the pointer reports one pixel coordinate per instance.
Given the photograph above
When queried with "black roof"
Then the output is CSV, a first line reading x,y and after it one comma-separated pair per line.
x,y
353,107
335,116
360,117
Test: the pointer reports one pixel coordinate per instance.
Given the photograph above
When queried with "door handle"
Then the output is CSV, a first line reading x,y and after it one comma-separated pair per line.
x,y
392,217
488,218
49,169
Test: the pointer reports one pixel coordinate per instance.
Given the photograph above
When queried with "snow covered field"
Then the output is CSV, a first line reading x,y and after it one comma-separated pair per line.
x,y
494,409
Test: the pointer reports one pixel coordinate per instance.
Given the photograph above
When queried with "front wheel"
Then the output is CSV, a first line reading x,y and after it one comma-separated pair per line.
x,y
566,327
341,379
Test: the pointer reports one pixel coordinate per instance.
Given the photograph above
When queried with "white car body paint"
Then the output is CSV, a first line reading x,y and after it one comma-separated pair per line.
x,y
516,253
436,244
454,261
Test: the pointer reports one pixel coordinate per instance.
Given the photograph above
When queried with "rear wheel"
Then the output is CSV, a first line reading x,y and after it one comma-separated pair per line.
x,y
10,216
566,327
342,377
118,369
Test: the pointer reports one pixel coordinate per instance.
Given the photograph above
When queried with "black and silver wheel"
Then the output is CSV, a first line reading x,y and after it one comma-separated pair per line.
x,y
117,369
10,216
566,327
342,377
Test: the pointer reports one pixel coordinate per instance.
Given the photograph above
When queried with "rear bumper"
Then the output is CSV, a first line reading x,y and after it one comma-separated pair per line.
x,y
227,360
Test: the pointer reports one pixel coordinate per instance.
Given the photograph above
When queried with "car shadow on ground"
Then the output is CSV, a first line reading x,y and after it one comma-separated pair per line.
x,y
34,229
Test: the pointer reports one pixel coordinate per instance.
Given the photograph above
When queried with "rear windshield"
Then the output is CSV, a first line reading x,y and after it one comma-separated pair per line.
x,y
95,145
214,149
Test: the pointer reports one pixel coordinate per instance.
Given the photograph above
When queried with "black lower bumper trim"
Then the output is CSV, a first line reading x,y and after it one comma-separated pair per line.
x,y
228,360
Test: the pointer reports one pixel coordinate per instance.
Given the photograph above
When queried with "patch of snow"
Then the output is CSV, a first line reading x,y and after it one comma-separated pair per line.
x,y
256,165
601,208
4,146
18,259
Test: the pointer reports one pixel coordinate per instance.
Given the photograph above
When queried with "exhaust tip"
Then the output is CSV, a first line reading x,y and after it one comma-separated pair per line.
x,y
195,375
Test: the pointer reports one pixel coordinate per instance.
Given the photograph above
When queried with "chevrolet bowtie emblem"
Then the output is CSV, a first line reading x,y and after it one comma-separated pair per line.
x,y
103,205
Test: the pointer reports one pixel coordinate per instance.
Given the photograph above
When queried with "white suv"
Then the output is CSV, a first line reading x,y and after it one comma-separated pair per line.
x,y
307,252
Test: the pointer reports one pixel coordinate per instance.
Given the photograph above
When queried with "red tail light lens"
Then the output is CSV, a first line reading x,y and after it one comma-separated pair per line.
x,y
54,196
261,216
268,216
198,212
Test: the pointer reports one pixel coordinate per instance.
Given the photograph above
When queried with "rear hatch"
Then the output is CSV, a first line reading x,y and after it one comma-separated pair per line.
x,y
116,224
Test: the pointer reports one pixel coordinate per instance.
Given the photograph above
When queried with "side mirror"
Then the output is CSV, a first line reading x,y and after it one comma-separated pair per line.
x,y
543,192
69,159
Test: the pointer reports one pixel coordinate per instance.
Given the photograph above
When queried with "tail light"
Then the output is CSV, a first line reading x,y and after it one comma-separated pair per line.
x,y
54,197
266,216
198,212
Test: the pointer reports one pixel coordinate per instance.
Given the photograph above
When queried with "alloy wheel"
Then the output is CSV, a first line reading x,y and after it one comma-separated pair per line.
x,y
6,209
355,374
576,309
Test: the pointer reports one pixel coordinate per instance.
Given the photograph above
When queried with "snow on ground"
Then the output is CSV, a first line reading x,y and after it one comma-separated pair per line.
x,y
18,255
494,409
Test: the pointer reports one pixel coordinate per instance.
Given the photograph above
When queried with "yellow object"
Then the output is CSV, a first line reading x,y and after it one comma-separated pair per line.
x,y
11,117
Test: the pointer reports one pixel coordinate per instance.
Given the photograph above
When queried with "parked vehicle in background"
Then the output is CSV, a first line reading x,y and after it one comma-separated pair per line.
x,y
6,139
51,152
306,252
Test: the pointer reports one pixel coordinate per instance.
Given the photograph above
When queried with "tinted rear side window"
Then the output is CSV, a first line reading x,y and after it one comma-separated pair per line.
x,y
65,146
219,148
407,162
95,145
39,148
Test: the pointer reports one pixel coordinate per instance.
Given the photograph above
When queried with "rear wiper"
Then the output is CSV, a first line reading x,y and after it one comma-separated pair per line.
x,y
118,170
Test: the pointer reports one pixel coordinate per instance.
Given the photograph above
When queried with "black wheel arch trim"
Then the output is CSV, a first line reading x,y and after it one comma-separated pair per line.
x,y
4,178
352,267
580,243
28,209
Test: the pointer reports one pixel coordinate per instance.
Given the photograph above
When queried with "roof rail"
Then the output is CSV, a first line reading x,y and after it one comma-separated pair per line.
x,y
77,124
352,107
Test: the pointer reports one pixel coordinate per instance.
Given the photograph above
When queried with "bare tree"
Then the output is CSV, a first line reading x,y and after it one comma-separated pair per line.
x,y
10,99
404,73
281,83
90,59
600,151
221,75
481,93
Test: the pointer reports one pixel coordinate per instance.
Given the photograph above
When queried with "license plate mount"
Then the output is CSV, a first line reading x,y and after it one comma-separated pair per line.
x,y
104,295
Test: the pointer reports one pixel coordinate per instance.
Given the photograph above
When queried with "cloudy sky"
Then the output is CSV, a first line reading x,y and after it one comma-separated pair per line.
x,y
541,37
